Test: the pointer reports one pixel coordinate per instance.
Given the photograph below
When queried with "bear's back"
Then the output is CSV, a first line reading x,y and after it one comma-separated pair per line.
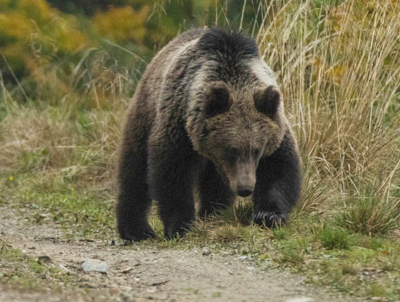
x,y
153,80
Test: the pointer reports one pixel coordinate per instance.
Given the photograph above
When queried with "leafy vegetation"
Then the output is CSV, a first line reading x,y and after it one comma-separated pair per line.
x,y
67,72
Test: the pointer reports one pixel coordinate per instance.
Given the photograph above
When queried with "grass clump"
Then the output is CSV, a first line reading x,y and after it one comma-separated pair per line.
x,y
228,233
281,233
334,238
369,216
377,290
350,268
294,252
240,213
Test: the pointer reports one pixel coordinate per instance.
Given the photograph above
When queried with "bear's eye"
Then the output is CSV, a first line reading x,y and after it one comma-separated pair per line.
x,y
231,154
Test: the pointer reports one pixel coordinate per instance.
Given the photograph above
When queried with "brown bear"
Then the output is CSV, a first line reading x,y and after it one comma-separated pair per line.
x,y
207,113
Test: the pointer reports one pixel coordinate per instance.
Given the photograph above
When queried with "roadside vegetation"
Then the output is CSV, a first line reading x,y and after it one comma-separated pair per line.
x,y
26,272
65,83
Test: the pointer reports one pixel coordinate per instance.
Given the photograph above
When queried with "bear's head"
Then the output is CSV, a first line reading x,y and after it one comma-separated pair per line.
x,y
235,112
239,126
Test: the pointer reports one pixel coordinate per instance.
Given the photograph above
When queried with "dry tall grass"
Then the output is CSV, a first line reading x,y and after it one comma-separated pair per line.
x,y
339,67
71,128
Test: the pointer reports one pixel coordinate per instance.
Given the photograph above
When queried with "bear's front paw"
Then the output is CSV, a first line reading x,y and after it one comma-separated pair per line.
x,y
172,233
138,235
269,219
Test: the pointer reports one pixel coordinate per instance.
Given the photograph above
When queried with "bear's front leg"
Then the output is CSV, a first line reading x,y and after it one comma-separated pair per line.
x,y
172,165
133,199
278,185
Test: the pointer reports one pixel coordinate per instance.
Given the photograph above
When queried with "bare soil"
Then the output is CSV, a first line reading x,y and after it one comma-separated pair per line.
x,y
143,273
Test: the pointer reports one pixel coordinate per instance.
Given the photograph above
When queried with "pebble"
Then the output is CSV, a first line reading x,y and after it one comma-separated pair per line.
x,y
44,259
95,265
206,252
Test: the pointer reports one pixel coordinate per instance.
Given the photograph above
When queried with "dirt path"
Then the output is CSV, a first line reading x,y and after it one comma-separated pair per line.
x,y
146,273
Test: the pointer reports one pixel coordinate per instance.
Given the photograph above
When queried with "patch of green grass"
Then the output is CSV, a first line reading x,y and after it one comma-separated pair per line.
x,y
373,243
350,268
376,289
292,252
281,233
332,238
24,272
81,213
389,260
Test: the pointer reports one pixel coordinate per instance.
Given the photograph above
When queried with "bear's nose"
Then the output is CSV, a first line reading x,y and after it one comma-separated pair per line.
x,y
244,191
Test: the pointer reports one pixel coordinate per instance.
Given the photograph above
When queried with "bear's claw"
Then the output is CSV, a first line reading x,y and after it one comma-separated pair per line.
x,y
269,219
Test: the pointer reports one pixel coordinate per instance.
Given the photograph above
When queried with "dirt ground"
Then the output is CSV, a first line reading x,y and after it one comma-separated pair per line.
x,y
147,273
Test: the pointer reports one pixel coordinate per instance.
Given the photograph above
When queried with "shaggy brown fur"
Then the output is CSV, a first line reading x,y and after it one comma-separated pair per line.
x,y
207,111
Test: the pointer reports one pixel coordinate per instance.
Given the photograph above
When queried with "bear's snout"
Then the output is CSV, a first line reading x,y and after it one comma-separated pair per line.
x,y
246,179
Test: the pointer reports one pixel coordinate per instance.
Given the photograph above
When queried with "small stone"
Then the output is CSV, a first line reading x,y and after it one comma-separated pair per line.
x,y
206,252
113,290
95,265
44,259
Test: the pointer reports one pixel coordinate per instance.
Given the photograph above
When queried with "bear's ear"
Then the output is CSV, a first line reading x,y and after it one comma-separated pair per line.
x,y
218,100
267,100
